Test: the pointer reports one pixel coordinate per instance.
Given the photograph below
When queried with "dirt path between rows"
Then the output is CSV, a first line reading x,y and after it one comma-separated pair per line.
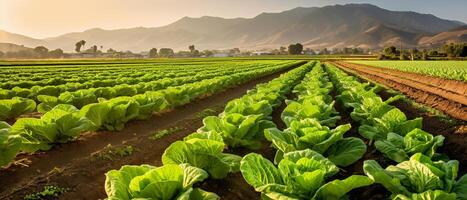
x,y
453,104
76,167
454,86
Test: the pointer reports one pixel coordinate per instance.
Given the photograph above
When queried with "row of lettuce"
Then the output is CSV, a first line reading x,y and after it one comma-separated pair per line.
x,y
109,76
43,99
310,151
239,125
64,123
57,75
420,172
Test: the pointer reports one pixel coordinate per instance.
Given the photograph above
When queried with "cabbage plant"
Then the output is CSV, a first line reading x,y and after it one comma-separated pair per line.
x,y
168,182
310,134
400,148
111,114
9,144
238,130
205,151
300,175
60,125
420,178
310,108
393,120
16,106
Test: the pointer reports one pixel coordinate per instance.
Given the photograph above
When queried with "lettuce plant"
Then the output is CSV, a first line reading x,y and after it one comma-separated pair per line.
x,y
238,130
111,114
16,106
371,106
300,175
60,125
393,120
309,134
400,148
247,106
419,178
159,183
9,144
310,108
205,151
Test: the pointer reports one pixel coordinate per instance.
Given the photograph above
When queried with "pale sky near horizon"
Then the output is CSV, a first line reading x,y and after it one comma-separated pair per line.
x,y
47,18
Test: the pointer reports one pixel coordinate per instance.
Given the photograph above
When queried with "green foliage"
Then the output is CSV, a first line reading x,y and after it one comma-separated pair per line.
x,y
300,175
164,183
49,191
419,178
202,150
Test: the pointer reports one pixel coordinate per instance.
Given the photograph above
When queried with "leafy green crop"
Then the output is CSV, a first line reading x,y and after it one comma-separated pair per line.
x,y
163,183
419,178
16,106
300,175
400,148
203,150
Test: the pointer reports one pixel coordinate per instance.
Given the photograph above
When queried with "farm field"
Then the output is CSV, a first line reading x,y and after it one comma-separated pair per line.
x,y
455,70
232,129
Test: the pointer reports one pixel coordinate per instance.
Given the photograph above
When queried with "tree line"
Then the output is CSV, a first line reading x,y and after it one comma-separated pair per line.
x,y
450,51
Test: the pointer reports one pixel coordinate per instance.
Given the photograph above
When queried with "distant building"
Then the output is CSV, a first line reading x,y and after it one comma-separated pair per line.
x,y
220,55
261,53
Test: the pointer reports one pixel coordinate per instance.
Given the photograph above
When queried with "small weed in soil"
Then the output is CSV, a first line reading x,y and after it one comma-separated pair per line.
x,y
206,112
110,152
159,134
48,192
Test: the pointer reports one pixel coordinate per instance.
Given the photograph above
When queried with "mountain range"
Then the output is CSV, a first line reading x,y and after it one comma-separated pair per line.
x,y
350,25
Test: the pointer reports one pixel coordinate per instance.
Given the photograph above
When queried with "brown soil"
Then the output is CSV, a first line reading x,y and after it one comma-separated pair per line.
x,y
73,166
453,104
454,86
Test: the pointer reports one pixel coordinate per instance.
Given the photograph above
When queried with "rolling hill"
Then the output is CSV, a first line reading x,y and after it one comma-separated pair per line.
x,y
351,25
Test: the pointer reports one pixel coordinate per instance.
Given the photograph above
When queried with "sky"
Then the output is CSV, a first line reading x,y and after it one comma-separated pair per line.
x,y
48,18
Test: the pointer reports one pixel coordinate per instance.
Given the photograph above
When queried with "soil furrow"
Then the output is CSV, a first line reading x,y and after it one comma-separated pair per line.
x,y
454,86
420,93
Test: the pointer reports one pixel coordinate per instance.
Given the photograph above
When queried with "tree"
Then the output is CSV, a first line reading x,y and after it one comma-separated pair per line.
x,y
41,51
282,50
234,51
191,48
325,51
111,50
57,53
390,51
78,45
93,49
153,53
403,56
208,53
166,52
309,51
413,53
295,49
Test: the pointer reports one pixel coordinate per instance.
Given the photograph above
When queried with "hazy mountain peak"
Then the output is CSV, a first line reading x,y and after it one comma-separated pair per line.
x,y
363,25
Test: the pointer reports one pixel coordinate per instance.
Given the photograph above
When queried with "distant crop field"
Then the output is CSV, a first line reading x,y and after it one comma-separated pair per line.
x,y
456,70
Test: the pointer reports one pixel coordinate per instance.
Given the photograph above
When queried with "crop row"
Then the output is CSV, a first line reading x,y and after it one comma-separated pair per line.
x,y
309,151
64,123
81,80
49,96
200,155
420,172
456,70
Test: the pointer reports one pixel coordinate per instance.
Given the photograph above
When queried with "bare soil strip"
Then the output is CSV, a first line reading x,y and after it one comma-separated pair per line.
x,y
454,86
451,103
74,166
